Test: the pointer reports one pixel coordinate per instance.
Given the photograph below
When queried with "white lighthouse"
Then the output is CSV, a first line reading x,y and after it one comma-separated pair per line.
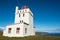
x,y
23,24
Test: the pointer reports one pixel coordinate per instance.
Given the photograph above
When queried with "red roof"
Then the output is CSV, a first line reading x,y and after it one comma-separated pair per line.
x,y
24,7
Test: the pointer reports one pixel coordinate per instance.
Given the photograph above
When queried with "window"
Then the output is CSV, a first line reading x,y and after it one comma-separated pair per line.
x,y
17,30
9,30
19,15
23,15
20,11
25,30
20,21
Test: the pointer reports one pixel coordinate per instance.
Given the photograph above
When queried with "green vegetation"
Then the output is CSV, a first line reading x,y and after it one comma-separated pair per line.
x,y
30,38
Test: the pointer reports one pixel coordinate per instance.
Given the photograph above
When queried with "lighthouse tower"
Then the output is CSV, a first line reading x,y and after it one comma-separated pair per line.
x,y
23,24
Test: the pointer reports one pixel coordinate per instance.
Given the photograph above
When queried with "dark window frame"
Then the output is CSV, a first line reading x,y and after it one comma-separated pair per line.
x,y
9,30
25,30
19,15
23,14
17,30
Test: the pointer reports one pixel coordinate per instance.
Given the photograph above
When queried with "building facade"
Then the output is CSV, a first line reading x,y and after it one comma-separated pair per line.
x,y
23,24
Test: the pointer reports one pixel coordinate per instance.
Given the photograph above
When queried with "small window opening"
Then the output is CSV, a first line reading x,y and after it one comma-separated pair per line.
x,y
25,30
17,30
20,21
9,30
23,15
20,11
19,15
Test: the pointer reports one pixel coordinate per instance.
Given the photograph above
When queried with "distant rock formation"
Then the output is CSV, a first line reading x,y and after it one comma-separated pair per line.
x,y
39,33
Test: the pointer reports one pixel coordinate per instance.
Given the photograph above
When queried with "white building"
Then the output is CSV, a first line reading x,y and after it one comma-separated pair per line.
x,y
23,25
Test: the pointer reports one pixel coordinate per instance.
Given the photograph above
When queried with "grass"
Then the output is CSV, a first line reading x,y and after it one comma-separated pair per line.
x,y
30,38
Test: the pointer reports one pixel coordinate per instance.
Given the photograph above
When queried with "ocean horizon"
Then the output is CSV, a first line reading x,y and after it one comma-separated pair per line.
x,y
51,34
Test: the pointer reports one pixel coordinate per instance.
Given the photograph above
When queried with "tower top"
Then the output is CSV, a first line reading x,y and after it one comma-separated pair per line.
x,y
25,7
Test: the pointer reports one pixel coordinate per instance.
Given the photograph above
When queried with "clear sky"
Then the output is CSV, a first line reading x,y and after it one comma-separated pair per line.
x,y
46,13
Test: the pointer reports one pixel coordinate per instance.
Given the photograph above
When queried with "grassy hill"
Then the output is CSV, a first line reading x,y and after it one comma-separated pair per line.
x,y
30,38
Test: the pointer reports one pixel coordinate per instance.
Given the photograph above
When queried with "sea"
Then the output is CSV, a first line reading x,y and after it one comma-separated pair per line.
x,y
51,34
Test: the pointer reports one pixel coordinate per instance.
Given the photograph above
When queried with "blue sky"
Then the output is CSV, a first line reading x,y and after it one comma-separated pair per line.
x,y
46,13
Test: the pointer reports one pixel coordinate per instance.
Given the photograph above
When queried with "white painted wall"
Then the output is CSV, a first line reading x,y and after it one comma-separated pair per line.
x,y
13,31
27,19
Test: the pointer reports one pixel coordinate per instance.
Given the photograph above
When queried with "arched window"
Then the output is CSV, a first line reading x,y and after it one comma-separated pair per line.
x,y
25,30
23,14
19,15
20,11
17,30
20,21
9,30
